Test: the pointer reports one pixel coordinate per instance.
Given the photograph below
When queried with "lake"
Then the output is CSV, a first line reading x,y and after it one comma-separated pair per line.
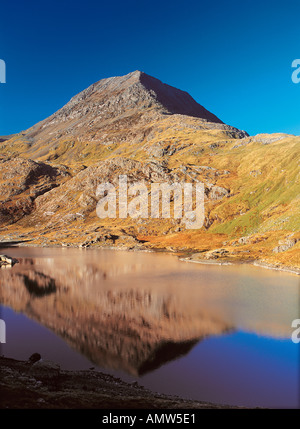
x,y
220,334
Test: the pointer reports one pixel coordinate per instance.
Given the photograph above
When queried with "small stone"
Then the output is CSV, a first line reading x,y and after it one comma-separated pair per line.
x,y
244,240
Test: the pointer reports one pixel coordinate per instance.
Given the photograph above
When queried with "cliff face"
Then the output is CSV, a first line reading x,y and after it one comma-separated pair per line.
x,y
138,126
21,182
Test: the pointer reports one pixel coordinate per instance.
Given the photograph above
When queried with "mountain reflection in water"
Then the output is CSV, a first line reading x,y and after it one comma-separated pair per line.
x,y
135,311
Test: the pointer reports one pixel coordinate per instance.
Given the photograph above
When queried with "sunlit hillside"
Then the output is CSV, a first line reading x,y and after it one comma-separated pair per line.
x,y
136,125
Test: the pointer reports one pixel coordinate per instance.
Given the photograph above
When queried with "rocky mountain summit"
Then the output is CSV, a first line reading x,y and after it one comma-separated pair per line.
x,y
110,112
139,126
115,96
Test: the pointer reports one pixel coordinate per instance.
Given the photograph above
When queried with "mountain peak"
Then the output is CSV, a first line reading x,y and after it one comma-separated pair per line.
x,y
144,91
114,106
136,73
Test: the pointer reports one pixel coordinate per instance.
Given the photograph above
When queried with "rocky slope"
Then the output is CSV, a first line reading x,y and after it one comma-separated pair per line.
x,y
138,126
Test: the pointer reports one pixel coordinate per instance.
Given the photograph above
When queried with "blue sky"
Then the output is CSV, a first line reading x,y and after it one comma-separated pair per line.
x,y
234,57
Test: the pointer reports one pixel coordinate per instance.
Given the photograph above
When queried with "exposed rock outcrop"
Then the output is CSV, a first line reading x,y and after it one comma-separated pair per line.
x,y
7,260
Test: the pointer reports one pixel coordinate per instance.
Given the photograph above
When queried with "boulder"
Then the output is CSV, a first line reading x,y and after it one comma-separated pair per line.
x,y
217,193
244,240
7,260
284,245
216,253
45,369
35,357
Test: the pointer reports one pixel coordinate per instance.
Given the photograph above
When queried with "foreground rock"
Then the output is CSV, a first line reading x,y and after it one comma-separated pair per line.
x,y
21,386
45,369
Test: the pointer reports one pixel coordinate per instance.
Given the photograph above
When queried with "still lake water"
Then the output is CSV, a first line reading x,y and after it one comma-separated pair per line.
x,y
214,333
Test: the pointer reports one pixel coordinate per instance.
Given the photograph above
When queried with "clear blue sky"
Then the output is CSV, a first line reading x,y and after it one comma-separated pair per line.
x,y
234,57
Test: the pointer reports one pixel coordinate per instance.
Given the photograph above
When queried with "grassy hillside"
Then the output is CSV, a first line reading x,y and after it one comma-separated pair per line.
x,y
259,175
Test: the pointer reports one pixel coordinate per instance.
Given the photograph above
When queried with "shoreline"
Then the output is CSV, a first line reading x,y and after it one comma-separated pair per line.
x,y
43,385
270,266
179,254
254,263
